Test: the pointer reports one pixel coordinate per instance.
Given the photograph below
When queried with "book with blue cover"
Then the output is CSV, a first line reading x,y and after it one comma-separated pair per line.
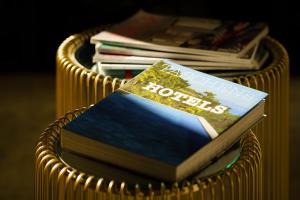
x,y
167,122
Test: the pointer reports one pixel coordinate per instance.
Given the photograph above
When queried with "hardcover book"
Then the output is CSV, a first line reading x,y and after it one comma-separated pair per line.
x,y
167,122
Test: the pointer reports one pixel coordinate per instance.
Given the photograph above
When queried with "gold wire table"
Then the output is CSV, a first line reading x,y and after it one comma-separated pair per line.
x,y
77,86
54,179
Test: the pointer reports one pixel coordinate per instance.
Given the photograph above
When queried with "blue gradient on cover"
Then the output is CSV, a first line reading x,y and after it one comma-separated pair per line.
x,y
142,126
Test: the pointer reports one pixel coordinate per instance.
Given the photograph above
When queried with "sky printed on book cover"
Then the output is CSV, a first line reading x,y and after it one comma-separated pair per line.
x,y
146,116
142,126
236,99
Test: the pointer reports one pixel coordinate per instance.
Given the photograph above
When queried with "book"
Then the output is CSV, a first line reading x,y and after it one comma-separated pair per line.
x,y
117,60
167,122
116,54
186,35
128,71
202,44
119,50
117,71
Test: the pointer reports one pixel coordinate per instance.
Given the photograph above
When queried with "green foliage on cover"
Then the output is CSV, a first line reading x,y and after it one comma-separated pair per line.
x,y
168,78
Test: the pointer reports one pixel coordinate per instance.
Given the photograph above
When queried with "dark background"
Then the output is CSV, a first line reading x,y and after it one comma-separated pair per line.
x,y
32,31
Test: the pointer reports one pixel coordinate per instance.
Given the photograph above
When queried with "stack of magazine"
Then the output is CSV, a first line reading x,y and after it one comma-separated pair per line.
x,y
127,48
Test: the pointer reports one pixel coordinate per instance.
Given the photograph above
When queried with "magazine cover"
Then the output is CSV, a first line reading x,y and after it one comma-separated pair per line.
x,y
184,34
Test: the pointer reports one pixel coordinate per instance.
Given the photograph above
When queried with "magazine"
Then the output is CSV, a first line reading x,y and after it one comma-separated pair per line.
x,y
184,35
119,61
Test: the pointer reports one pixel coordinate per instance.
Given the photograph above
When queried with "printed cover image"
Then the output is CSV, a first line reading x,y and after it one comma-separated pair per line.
x,y
147,117
189,32
218,101
142,126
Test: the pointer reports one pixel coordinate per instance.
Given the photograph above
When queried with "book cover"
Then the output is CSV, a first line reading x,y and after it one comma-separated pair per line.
x,y
167,122
184,34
